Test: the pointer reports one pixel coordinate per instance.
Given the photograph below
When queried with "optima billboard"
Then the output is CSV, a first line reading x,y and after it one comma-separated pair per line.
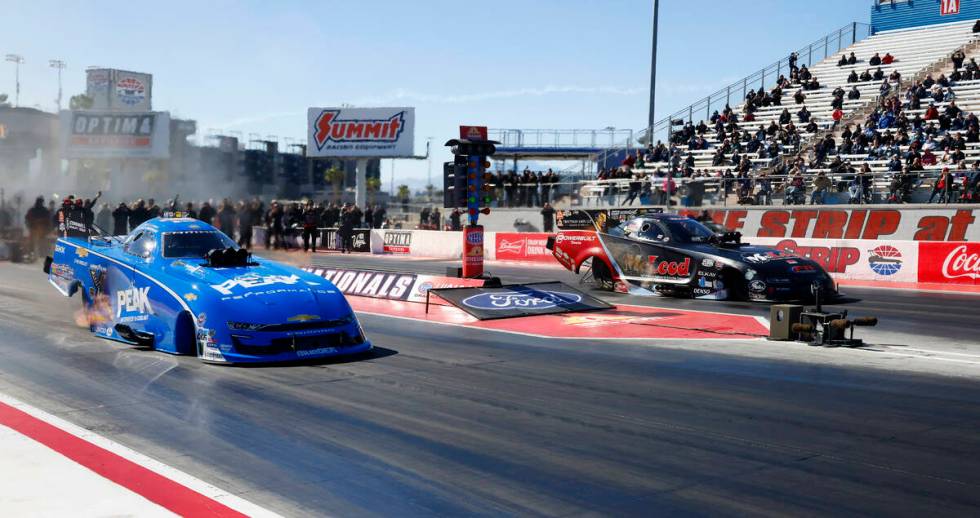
x,y
360,132
88,134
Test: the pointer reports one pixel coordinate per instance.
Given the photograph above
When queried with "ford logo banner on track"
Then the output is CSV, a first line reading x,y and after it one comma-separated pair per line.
x,y
517,300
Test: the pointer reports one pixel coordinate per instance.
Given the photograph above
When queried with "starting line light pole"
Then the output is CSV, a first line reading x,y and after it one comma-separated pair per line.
x,y
471,151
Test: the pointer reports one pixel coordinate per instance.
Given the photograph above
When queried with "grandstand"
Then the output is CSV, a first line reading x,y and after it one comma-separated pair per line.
x,y
701,152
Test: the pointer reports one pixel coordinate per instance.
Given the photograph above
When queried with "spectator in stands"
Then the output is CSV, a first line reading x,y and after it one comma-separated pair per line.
x,y
875,60
843,61
865,76
952,110
837,116
931,112
878,75
799,97
838,102
943,81
634,188
804,115
805,74
852,59
854,93
895,76
972,66
958,58
852,77
976,27
943,187
793,57
888,59
785,117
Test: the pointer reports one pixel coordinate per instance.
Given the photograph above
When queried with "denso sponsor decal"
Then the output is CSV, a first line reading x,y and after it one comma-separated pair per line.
x,y
332,127
670,268
253,280
957,263
538,299
133,300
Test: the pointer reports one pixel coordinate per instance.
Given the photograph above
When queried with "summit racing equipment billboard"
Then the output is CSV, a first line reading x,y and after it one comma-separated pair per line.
x,y
104,134
360,132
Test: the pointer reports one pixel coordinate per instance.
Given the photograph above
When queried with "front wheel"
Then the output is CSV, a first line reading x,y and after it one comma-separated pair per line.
x,y
735,285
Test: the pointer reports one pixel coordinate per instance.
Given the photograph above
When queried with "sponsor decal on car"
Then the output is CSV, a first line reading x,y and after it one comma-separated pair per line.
x,y
253,280
538,299
670,268
133,300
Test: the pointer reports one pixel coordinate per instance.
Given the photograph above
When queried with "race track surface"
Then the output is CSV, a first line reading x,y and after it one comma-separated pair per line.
x,y
443,420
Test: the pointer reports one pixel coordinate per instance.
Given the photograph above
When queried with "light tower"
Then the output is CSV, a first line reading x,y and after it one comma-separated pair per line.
x,y
60,65
16,59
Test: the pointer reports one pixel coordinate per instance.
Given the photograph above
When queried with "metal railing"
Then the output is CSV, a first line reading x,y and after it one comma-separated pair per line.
x,y
556,138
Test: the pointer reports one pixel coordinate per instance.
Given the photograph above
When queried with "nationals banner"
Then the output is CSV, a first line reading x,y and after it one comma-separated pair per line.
x,y
375,284
361,132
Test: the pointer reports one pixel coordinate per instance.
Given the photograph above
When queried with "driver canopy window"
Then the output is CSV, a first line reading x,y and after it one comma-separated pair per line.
x,y
652,231
142,244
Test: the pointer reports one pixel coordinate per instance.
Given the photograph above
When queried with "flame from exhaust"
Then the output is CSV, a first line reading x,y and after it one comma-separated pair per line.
x,y
99,312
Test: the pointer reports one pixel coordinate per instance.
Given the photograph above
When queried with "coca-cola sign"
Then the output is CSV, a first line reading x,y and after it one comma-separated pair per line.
x,y
957,263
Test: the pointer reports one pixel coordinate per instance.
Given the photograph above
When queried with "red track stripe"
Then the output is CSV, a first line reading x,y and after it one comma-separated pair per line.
x,y
154,487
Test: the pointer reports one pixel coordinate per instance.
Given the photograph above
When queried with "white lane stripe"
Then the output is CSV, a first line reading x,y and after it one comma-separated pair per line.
x,y
233,501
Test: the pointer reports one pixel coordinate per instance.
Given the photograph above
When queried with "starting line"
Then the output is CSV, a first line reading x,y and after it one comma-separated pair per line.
x,y
625,322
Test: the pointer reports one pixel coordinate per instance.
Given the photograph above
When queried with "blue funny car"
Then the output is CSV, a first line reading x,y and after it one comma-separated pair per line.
x,y
181,286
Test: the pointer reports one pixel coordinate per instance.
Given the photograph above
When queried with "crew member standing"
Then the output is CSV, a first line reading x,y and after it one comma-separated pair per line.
x,y
311,221
548,214
347,229
120,217
38,220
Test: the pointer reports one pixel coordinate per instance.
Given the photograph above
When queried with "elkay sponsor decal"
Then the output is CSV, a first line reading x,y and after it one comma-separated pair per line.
x,y
253,280
537,299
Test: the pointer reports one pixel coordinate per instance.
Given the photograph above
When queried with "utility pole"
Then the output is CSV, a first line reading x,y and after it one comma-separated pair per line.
x,y
16,59
653,70
60,65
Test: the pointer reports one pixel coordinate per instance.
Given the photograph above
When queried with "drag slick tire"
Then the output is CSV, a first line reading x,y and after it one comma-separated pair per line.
x,y
602,277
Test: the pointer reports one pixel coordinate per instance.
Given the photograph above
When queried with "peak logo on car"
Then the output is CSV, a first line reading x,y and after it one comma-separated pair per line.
x,y
331,128
670,268
253,280
133,300
538,299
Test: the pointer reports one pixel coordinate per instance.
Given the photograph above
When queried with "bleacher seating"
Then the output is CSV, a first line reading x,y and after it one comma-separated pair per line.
x,y
915,51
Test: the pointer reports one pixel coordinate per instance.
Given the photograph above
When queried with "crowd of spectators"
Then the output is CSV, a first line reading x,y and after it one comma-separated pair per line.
x,y
528,189
283,221
910,130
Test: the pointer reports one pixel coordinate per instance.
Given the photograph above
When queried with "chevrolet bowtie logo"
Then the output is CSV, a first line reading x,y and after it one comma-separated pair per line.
x,y
302,318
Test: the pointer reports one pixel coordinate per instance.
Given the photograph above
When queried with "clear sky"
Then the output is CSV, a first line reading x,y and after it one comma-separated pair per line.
x,y
256,66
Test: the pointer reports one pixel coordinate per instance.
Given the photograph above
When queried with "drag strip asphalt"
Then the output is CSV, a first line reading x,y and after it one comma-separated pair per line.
x,y
443,420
